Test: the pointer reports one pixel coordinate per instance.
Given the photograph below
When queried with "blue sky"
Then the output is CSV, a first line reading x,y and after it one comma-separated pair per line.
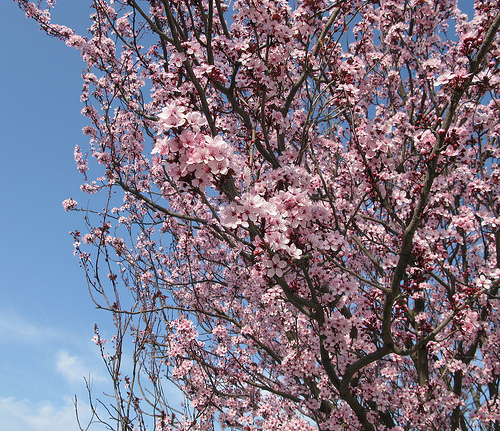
x,y
46,315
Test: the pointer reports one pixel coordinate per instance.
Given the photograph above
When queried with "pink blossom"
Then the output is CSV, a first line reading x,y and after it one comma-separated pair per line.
x,y
275,266
172,116
76,41
69,204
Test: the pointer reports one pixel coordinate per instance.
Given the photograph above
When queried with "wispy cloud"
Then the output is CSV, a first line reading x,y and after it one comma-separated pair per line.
x,y
15,327
74,369
43,416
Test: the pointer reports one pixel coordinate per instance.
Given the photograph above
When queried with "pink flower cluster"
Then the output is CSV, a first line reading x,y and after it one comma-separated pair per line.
x,y
191,155
69,204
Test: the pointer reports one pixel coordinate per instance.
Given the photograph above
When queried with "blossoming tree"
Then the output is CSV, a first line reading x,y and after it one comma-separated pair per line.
x,y
302,226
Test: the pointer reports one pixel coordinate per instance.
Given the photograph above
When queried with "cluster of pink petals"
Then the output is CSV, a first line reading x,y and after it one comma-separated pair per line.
x,y
200,157
175,115
191,153
69,204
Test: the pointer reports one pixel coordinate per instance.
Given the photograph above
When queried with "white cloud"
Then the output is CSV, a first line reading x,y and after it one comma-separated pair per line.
x,y
14,327
43,416
74,369
71,367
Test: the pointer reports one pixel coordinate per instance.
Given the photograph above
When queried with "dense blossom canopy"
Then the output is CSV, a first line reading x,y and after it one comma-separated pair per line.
x,y
302,228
